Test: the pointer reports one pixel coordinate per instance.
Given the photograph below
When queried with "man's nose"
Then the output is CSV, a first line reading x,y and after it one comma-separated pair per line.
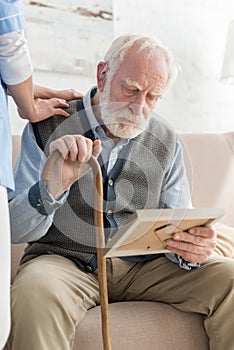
x,y
137,105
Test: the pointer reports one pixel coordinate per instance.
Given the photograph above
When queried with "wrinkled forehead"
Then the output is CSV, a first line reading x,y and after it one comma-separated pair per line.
x,y
145,67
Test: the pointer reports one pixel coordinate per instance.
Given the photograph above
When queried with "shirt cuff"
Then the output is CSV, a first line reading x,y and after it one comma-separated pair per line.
x,y
181,262
43,201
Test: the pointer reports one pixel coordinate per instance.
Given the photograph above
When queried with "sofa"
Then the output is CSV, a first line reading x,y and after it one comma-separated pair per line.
x,y
140,325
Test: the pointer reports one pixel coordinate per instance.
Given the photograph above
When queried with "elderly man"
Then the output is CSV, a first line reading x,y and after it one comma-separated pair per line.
x,y
142,166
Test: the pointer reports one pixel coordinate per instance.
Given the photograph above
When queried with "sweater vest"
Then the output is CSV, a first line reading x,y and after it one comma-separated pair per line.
x,y
135,182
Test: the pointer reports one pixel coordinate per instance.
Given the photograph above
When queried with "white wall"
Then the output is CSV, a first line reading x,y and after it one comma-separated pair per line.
x,y
195,31
66,38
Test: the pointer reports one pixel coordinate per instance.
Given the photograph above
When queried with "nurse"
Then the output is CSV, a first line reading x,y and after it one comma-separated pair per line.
x,y
34,103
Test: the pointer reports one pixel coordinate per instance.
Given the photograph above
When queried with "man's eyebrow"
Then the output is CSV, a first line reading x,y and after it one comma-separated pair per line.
x,y
134,84
155,94
131,83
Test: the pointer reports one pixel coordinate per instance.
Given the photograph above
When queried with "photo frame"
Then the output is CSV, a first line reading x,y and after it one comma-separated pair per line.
x,y
147,230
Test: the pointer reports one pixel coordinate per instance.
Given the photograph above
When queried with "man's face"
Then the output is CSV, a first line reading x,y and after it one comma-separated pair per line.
x,y
128,98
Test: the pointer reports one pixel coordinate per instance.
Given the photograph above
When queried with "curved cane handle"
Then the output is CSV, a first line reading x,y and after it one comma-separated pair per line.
x,y
49,164
100,238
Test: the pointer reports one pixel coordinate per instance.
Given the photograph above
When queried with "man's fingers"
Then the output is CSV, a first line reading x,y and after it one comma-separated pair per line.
x,y
83,150
191,257
209,240
190,247
96,148
87,148
71,145
194,246
76,148
203,231
61,146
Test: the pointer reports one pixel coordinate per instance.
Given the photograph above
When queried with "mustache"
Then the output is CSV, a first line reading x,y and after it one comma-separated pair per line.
x,y
127,114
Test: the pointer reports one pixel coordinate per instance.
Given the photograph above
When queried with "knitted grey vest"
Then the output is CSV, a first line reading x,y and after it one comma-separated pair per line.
x,y
134,183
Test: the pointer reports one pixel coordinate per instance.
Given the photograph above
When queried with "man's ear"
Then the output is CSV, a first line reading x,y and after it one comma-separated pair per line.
x,y
101,75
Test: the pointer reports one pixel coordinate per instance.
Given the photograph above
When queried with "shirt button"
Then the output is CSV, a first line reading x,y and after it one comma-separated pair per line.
x,y
89,268
109,213
99,129
39,203
110,182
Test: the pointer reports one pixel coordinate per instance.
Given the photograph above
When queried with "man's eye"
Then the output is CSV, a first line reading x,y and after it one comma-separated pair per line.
x,y
130,92
152,98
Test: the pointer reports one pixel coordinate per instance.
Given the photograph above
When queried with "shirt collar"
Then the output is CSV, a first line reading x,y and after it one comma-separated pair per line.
x,y
88,108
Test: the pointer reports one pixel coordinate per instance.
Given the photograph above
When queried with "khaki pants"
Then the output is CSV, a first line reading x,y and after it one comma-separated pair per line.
x,y
51,295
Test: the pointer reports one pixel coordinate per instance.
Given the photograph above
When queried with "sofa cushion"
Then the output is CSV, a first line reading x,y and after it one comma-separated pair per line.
x,y
139,325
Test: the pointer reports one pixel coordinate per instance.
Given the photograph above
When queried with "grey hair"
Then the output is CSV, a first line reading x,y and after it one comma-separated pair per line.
x,y
118,49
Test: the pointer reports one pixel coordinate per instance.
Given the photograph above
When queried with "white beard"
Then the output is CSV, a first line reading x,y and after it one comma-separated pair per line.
x,y
121,121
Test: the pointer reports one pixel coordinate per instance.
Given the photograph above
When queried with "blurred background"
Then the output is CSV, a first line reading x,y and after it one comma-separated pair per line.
x,y
68,37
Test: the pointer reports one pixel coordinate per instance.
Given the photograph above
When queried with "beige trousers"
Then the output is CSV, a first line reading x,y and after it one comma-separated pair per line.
x,y
51,295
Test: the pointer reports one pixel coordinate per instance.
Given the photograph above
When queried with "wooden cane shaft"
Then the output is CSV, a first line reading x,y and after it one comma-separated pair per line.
x,y
100,240
103,293
100,244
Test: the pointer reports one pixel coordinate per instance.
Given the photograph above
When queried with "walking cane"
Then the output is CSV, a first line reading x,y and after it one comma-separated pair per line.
x,y
100,240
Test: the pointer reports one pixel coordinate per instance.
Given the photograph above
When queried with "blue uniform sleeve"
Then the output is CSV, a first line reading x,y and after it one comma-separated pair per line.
x,y
32,207
11,16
